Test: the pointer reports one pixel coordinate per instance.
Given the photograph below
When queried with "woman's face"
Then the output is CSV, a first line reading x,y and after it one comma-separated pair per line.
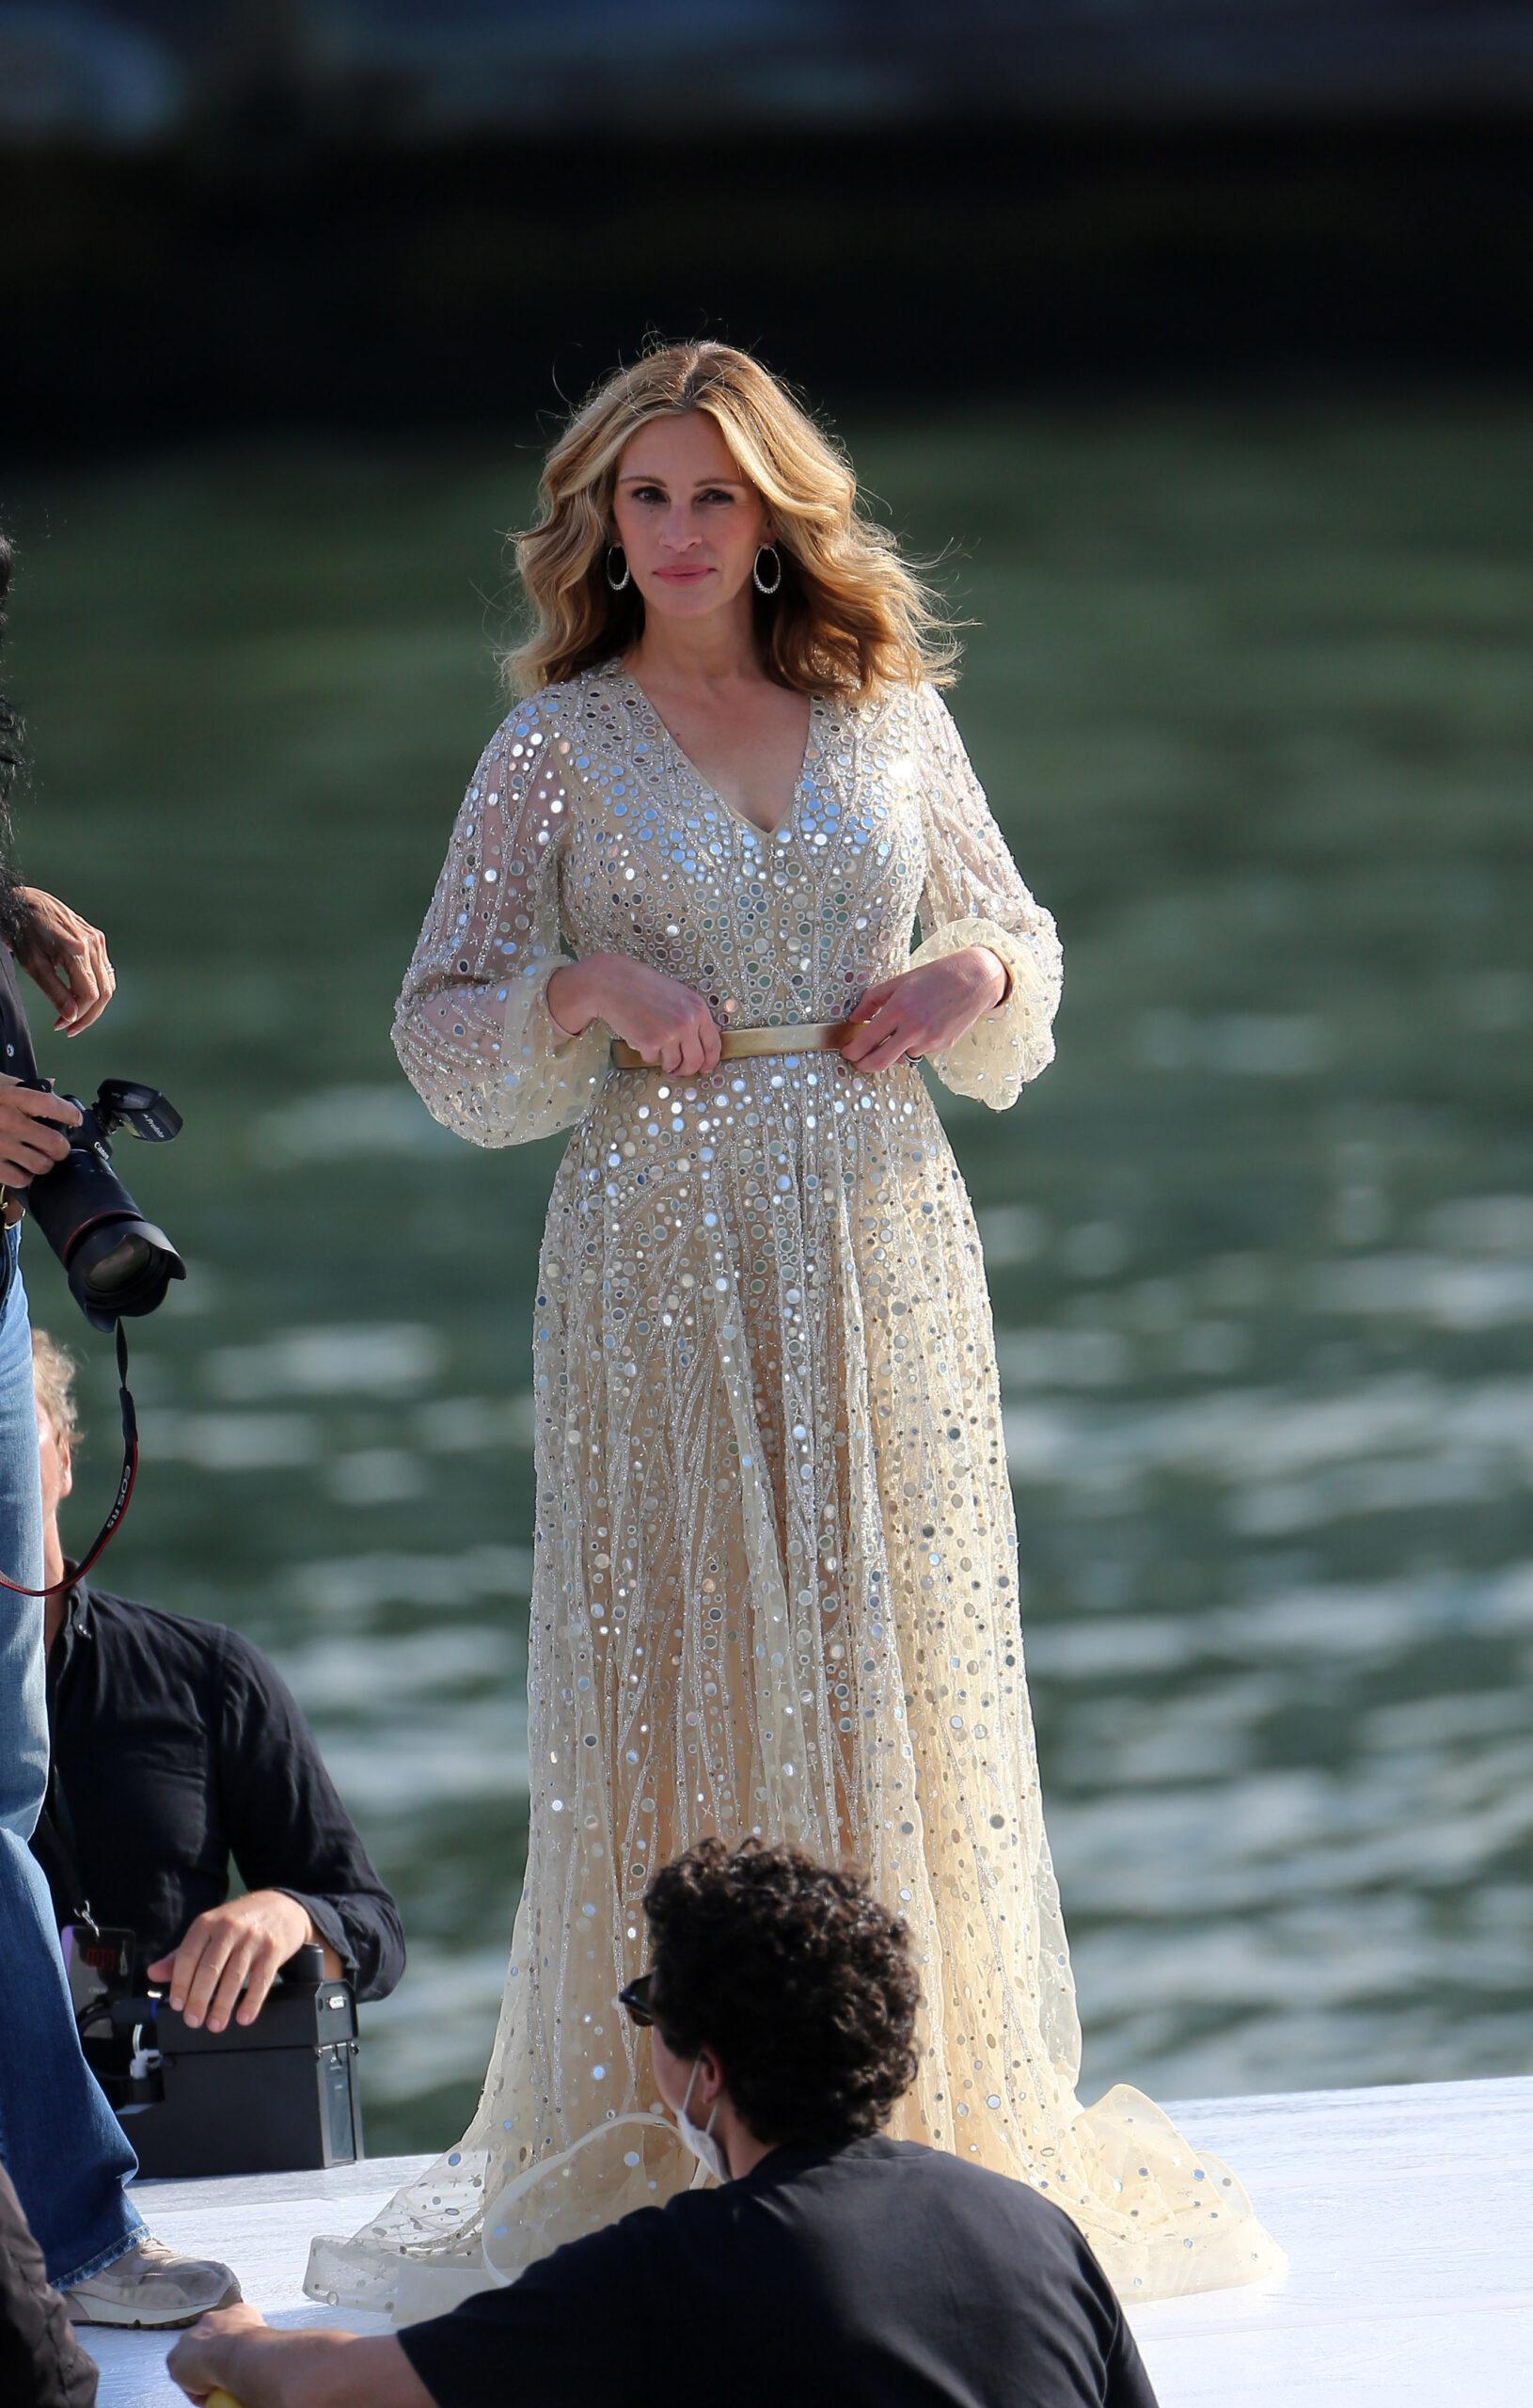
x,y
690,524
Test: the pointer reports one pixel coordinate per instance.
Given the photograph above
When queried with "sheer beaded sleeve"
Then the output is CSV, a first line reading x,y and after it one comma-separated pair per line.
x,y
472,1026
974,895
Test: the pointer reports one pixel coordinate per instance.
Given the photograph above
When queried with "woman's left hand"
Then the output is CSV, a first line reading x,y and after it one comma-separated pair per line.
x,y
69,960
926,1009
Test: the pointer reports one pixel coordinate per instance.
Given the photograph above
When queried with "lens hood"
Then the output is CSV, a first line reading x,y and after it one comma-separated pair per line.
x,y
119,1263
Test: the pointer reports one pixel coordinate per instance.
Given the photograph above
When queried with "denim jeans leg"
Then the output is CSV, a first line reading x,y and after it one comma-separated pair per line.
x,y
23,1707
59,2140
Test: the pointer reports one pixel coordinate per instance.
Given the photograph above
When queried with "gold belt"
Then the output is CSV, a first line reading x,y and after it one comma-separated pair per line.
x,y
744,1044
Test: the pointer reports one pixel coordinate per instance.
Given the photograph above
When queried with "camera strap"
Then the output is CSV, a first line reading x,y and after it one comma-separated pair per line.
x,y
125,1486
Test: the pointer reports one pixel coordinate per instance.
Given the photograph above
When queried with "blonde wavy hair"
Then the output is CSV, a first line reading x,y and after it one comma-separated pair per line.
x,y
53,1376
850,617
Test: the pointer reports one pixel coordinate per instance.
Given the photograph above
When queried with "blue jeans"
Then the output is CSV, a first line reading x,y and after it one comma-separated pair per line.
x,y
59,2140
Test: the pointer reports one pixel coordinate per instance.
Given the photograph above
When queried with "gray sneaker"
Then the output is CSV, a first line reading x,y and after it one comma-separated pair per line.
x,y
152,2286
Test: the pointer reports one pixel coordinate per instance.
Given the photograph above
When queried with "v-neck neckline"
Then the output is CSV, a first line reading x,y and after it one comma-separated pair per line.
x,y
668,735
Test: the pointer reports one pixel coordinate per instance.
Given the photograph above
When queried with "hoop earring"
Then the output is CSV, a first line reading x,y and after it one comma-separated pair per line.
x,y
617,583
767,551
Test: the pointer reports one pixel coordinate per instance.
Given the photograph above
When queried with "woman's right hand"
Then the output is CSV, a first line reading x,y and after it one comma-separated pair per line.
x,y
31,1132
669,1024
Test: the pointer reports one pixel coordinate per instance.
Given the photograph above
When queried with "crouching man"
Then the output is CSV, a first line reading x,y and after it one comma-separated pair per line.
x,y
829,2263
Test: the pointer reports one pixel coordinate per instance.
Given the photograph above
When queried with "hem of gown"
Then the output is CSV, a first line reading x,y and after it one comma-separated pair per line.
x,y
1160,2248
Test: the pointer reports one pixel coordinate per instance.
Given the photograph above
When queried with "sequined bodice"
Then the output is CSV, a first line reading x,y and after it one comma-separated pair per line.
x,y
786,926
586,828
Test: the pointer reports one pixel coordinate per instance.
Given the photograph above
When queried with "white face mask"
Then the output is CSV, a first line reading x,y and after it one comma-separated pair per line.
x,y
708,2151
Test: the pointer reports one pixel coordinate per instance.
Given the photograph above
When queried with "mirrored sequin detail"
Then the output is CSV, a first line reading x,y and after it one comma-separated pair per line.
x,y
774,1561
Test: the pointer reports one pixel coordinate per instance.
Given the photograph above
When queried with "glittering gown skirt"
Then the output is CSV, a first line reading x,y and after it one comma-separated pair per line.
x,y
774,1561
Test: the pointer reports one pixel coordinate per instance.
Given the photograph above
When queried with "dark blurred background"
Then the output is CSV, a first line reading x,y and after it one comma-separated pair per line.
x,y
364,213
1195,339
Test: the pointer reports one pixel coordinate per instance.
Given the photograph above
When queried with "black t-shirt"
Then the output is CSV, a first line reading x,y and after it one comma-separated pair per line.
x,y
881,2275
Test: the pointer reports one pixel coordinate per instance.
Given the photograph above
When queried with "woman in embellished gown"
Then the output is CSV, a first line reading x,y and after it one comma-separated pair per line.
x,y
775,1563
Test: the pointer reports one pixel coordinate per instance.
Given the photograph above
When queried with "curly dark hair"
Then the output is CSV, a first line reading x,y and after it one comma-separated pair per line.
x,y
796,1977
15,918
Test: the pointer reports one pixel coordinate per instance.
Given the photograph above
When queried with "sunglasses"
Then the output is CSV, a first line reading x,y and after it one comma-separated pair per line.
x,y
637,1999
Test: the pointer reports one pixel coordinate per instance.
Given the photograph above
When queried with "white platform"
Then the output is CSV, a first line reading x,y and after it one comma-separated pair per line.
x,y
1407,2215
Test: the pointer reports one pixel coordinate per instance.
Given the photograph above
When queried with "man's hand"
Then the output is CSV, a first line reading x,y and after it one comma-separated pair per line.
x,y
32,1125
200,2358
234,2350
240,1946
69,960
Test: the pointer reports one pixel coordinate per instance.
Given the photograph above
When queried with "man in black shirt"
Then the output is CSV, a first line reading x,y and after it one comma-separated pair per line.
x,y
176,1746
829,2263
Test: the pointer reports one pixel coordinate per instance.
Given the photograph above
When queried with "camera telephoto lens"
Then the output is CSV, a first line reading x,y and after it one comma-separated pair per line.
x,y
122,1264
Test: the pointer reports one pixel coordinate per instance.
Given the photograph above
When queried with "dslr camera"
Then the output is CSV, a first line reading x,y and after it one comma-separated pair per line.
x,y
116,1262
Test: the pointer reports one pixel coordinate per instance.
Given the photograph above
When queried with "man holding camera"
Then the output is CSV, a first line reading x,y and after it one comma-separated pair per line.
x,y
828,2263
177,1746
59,2140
